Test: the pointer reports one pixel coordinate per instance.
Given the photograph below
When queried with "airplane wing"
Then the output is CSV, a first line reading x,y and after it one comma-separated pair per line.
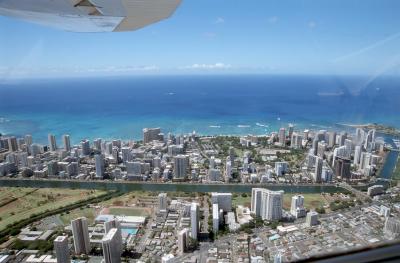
x,y
90,15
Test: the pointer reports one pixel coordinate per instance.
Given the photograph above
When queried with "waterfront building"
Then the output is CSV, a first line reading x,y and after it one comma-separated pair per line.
x,y
181,164
281,168
67,142
318,170
52,142
12,144
85,146
99,161
151,134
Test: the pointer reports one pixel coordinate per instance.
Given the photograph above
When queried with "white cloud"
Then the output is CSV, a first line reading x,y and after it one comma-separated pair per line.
x,y
208,66
219,20
273,19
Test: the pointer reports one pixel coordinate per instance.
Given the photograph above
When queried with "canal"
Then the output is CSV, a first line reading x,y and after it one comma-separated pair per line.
x,y
165,187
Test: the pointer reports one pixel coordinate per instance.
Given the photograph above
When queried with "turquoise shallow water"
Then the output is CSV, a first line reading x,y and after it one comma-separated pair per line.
x,y
121,107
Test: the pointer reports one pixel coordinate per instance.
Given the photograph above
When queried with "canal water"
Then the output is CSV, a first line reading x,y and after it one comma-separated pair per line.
x,y
166,187
391,159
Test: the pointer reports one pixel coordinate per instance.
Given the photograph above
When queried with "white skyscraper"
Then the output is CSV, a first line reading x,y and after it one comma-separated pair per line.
x,y
52,142
114,223
215,217
228,171
312,218
357,154
67,142
162,202
61,249
111,247
297,206
182,240
180,166
85,145
282,136
194,219
80,234
256,203
272,204
99,165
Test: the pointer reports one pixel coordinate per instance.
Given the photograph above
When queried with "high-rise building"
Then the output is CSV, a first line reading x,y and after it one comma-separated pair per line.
x,y
214,175
224,201
85,145
28,140
332,139
357,154
182,240
318,170
52,142
111,247
162,202
228,171
281,168
256,202
12,144
342,168
61,249
312,218
297,206
114,223
67,142
80,234
194,220
99,165
348,144
272,205
151,134
215,218
392,227
97,144
181,165
291,129
282,136
321,148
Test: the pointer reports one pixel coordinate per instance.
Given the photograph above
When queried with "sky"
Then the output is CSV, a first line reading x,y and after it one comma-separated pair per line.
x,y
349,37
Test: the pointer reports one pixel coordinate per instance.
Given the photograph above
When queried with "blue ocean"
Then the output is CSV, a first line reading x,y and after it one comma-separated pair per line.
x,y
119,107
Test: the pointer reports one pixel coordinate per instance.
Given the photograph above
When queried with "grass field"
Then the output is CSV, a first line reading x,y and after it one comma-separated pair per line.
x,y
311,201
30,202
128,211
